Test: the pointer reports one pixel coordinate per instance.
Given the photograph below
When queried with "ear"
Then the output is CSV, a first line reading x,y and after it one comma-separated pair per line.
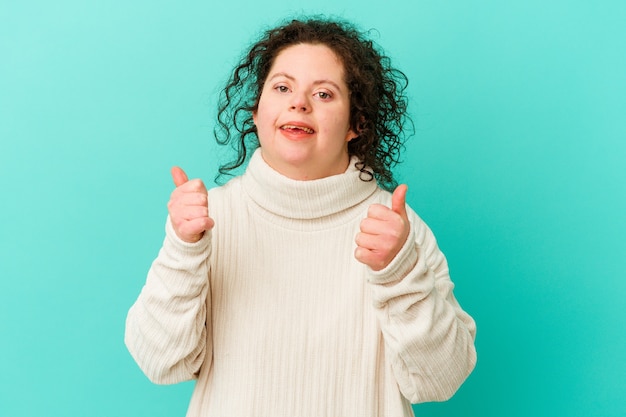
x,y
359,128
351,135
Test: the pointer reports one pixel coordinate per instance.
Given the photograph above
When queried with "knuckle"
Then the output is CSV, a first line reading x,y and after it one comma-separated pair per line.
x,y
367,224
395,233
197,185
374,210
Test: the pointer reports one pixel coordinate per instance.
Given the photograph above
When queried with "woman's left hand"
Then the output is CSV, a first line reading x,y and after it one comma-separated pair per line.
x,y
383,232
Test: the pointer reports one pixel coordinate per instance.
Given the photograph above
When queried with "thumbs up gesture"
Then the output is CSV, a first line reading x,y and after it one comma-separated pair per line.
x,y
383,232
189,207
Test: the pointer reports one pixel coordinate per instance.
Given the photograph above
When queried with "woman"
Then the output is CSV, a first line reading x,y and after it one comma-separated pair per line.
x,y
303,287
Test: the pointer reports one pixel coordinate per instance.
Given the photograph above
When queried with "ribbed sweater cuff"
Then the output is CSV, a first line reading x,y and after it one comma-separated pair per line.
x,y
181,266
177,245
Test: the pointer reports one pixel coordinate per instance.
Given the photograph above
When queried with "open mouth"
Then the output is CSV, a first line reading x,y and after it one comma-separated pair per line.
x,y
294,128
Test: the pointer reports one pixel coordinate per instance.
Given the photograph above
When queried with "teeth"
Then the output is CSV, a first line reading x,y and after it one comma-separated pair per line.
x,y
304,129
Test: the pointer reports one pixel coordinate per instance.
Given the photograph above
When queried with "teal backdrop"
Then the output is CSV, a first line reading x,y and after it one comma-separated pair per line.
x,y
518,165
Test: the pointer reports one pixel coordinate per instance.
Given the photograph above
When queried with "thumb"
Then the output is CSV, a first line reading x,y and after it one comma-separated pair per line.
x,y
179,176
398,200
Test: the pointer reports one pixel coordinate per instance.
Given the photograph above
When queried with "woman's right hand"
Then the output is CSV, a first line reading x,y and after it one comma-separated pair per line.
x,y
189,207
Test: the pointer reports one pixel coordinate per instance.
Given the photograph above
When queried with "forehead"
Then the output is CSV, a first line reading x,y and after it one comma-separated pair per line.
x,y
309,59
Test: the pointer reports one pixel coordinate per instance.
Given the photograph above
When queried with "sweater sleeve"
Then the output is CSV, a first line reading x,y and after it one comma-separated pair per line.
x,y
429,339
166,328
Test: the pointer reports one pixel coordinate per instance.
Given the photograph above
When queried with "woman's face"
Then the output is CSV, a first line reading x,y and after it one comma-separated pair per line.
x,y
303,115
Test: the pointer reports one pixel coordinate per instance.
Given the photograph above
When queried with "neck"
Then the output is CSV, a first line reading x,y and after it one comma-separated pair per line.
x,y
308,171
298,199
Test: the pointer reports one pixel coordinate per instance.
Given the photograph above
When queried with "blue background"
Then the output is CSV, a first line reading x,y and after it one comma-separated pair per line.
x,y
517,166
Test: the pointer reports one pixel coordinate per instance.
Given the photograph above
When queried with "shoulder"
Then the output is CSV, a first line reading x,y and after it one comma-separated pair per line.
x,y
227,190
228,196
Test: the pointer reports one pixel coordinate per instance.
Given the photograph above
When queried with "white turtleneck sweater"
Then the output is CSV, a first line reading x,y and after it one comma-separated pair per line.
x,y
273,315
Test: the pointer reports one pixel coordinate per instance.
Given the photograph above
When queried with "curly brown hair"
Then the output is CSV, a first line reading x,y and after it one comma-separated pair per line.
x,y
378,105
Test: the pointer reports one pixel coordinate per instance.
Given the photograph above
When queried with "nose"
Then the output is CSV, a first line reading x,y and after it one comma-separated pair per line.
x,y
299,102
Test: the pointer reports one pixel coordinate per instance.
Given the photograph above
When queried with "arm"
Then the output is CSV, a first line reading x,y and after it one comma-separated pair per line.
x,y
429,338
166,329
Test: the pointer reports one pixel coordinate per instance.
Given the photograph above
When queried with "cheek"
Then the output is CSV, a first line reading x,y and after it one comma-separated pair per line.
x,y
263,113
264,123
339,124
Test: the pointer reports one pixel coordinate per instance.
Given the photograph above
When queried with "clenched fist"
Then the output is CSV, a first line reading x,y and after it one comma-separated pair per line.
x,y
189,207
383,232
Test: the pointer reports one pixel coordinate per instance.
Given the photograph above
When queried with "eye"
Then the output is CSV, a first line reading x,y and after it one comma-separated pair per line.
x,y
281,88
324,95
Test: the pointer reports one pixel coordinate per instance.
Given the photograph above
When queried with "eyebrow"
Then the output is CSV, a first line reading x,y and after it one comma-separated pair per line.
x,y
316,82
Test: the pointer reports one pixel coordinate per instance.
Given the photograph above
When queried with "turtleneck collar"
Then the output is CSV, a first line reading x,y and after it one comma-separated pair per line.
x,y
311,199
